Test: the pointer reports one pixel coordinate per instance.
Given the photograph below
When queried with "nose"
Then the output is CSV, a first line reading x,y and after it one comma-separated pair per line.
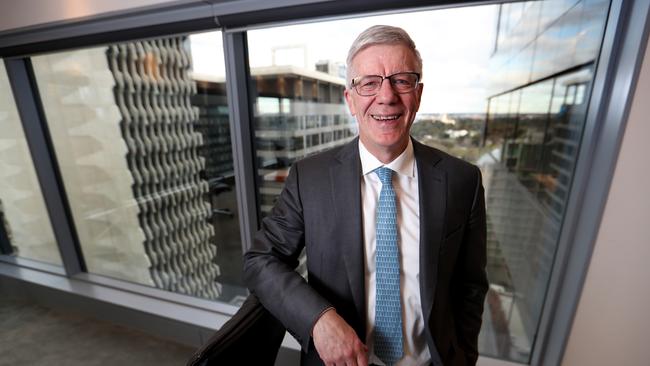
x,y
386,93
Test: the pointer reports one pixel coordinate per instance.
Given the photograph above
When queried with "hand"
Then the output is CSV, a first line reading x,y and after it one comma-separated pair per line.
x,y
337,343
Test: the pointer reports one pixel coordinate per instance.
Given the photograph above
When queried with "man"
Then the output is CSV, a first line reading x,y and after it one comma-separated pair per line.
x,y
395,257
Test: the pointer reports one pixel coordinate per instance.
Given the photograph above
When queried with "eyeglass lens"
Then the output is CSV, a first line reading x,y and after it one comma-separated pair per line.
x,y
401,83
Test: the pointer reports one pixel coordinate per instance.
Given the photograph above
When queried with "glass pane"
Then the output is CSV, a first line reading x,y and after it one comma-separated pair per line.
x,y
527,191
525,142
298,75
588,42
142,137
532,128
25,228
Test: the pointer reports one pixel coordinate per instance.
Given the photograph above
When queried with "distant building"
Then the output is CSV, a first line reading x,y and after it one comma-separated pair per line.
x,y
541,72
298,113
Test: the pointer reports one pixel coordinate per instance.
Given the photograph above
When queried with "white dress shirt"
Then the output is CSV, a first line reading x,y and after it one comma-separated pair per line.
x,y
405,184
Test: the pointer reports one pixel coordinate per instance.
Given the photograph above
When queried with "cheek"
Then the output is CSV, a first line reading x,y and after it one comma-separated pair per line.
x,y
362,109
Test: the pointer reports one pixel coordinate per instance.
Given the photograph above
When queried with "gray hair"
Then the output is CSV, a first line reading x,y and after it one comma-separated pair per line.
x,y
381,35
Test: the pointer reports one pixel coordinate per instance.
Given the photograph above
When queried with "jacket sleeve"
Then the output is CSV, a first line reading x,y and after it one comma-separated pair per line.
x,y
269,266
471,277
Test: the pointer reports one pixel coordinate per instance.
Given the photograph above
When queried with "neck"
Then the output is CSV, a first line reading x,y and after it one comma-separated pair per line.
x,y
386,154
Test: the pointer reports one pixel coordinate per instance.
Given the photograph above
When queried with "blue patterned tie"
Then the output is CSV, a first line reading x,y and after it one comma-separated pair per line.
x,y
388,309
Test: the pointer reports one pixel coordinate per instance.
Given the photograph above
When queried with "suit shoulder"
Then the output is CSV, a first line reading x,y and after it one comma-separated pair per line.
x,y
324,159
448,162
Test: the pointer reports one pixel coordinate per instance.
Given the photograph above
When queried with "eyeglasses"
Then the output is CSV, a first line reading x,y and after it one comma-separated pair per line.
x,y
402,82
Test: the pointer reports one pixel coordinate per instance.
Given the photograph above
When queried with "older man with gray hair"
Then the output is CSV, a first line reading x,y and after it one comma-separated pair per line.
x,y
394,232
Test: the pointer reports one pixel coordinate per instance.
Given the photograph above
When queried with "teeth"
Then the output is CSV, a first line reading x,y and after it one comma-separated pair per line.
x,y
385,118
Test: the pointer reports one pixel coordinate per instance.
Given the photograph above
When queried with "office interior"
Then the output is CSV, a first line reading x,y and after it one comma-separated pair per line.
x,y
142,142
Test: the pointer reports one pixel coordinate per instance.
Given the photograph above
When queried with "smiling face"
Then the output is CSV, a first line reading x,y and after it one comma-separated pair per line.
x,y
385,118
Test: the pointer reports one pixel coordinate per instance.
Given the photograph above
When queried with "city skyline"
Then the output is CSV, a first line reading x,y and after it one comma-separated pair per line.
x,y
454,70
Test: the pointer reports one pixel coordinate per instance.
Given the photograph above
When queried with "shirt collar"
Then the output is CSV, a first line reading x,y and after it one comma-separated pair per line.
x,y
404,164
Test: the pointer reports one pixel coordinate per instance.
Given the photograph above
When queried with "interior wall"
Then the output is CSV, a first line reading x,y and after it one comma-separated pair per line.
x,y
25,13
611,325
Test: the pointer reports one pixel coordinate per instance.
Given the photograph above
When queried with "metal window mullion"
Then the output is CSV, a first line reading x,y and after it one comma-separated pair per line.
x,y
32,116
128,24
621,54
175,17
241,131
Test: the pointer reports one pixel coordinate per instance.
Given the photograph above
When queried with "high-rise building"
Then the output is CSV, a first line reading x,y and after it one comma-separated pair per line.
x,y
298,113
541,72
133,174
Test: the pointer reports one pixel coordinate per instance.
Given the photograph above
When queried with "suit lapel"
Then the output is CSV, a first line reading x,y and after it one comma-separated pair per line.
x,y
345,179
432,183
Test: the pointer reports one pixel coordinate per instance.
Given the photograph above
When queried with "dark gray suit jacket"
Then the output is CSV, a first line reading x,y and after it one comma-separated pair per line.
x,y
320,209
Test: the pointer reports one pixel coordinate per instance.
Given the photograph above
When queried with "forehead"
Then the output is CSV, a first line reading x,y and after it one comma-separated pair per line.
x,y
383,59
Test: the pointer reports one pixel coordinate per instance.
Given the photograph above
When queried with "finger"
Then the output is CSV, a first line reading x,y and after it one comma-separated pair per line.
x,y
362,359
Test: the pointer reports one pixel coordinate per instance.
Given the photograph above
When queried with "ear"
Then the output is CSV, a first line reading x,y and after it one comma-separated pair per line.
x,y
350,101
418,92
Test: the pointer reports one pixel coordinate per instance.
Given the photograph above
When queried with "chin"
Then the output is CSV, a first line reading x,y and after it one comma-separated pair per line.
x,y
392,140
391,144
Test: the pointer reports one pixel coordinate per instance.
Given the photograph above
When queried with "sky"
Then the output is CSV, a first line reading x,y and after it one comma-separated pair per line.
x,y
455,45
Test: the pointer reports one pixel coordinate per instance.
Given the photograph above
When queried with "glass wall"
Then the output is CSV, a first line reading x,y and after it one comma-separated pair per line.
x,y
298,76
143,142
25,228
533,146
142,137
528,175
506,88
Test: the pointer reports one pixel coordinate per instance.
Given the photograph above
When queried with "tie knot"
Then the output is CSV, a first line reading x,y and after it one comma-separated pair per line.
x,y
385,175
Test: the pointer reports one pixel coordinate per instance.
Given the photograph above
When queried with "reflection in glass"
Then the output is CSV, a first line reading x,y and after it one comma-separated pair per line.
x,y
25,228
529,169
526,200
526,146
298,112
593,20
146,161
299,105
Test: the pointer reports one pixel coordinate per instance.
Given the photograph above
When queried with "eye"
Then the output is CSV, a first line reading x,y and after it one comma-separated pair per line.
x,y
368,83
402,81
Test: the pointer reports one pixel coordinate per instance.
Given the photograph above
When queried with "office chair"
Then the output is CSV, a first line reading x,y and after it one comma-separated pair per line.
x,y
251,337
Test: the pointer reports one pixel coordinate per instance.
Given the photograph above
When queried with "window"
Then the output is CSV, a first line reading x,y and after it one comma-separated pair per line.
x,y
142,137
25,228
295,108
304,67
530,164
517,112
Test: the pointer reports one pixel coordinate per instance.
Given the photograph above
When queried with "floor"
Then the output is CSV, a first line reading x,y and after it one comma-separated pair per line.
x,y
31,334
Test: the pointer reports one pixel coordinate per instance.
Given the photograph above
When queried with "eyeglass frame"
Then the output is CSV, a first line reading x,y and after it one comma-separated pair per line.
x,y
354,81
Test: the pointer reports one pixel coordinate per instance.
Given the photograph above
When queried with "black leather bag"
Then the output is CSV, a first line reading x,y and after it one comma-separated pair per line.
x,y
251,337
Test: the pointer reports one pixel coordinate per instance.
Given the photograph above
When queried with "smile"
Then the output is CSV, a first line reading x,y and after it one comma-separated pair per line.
x,y
385,118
